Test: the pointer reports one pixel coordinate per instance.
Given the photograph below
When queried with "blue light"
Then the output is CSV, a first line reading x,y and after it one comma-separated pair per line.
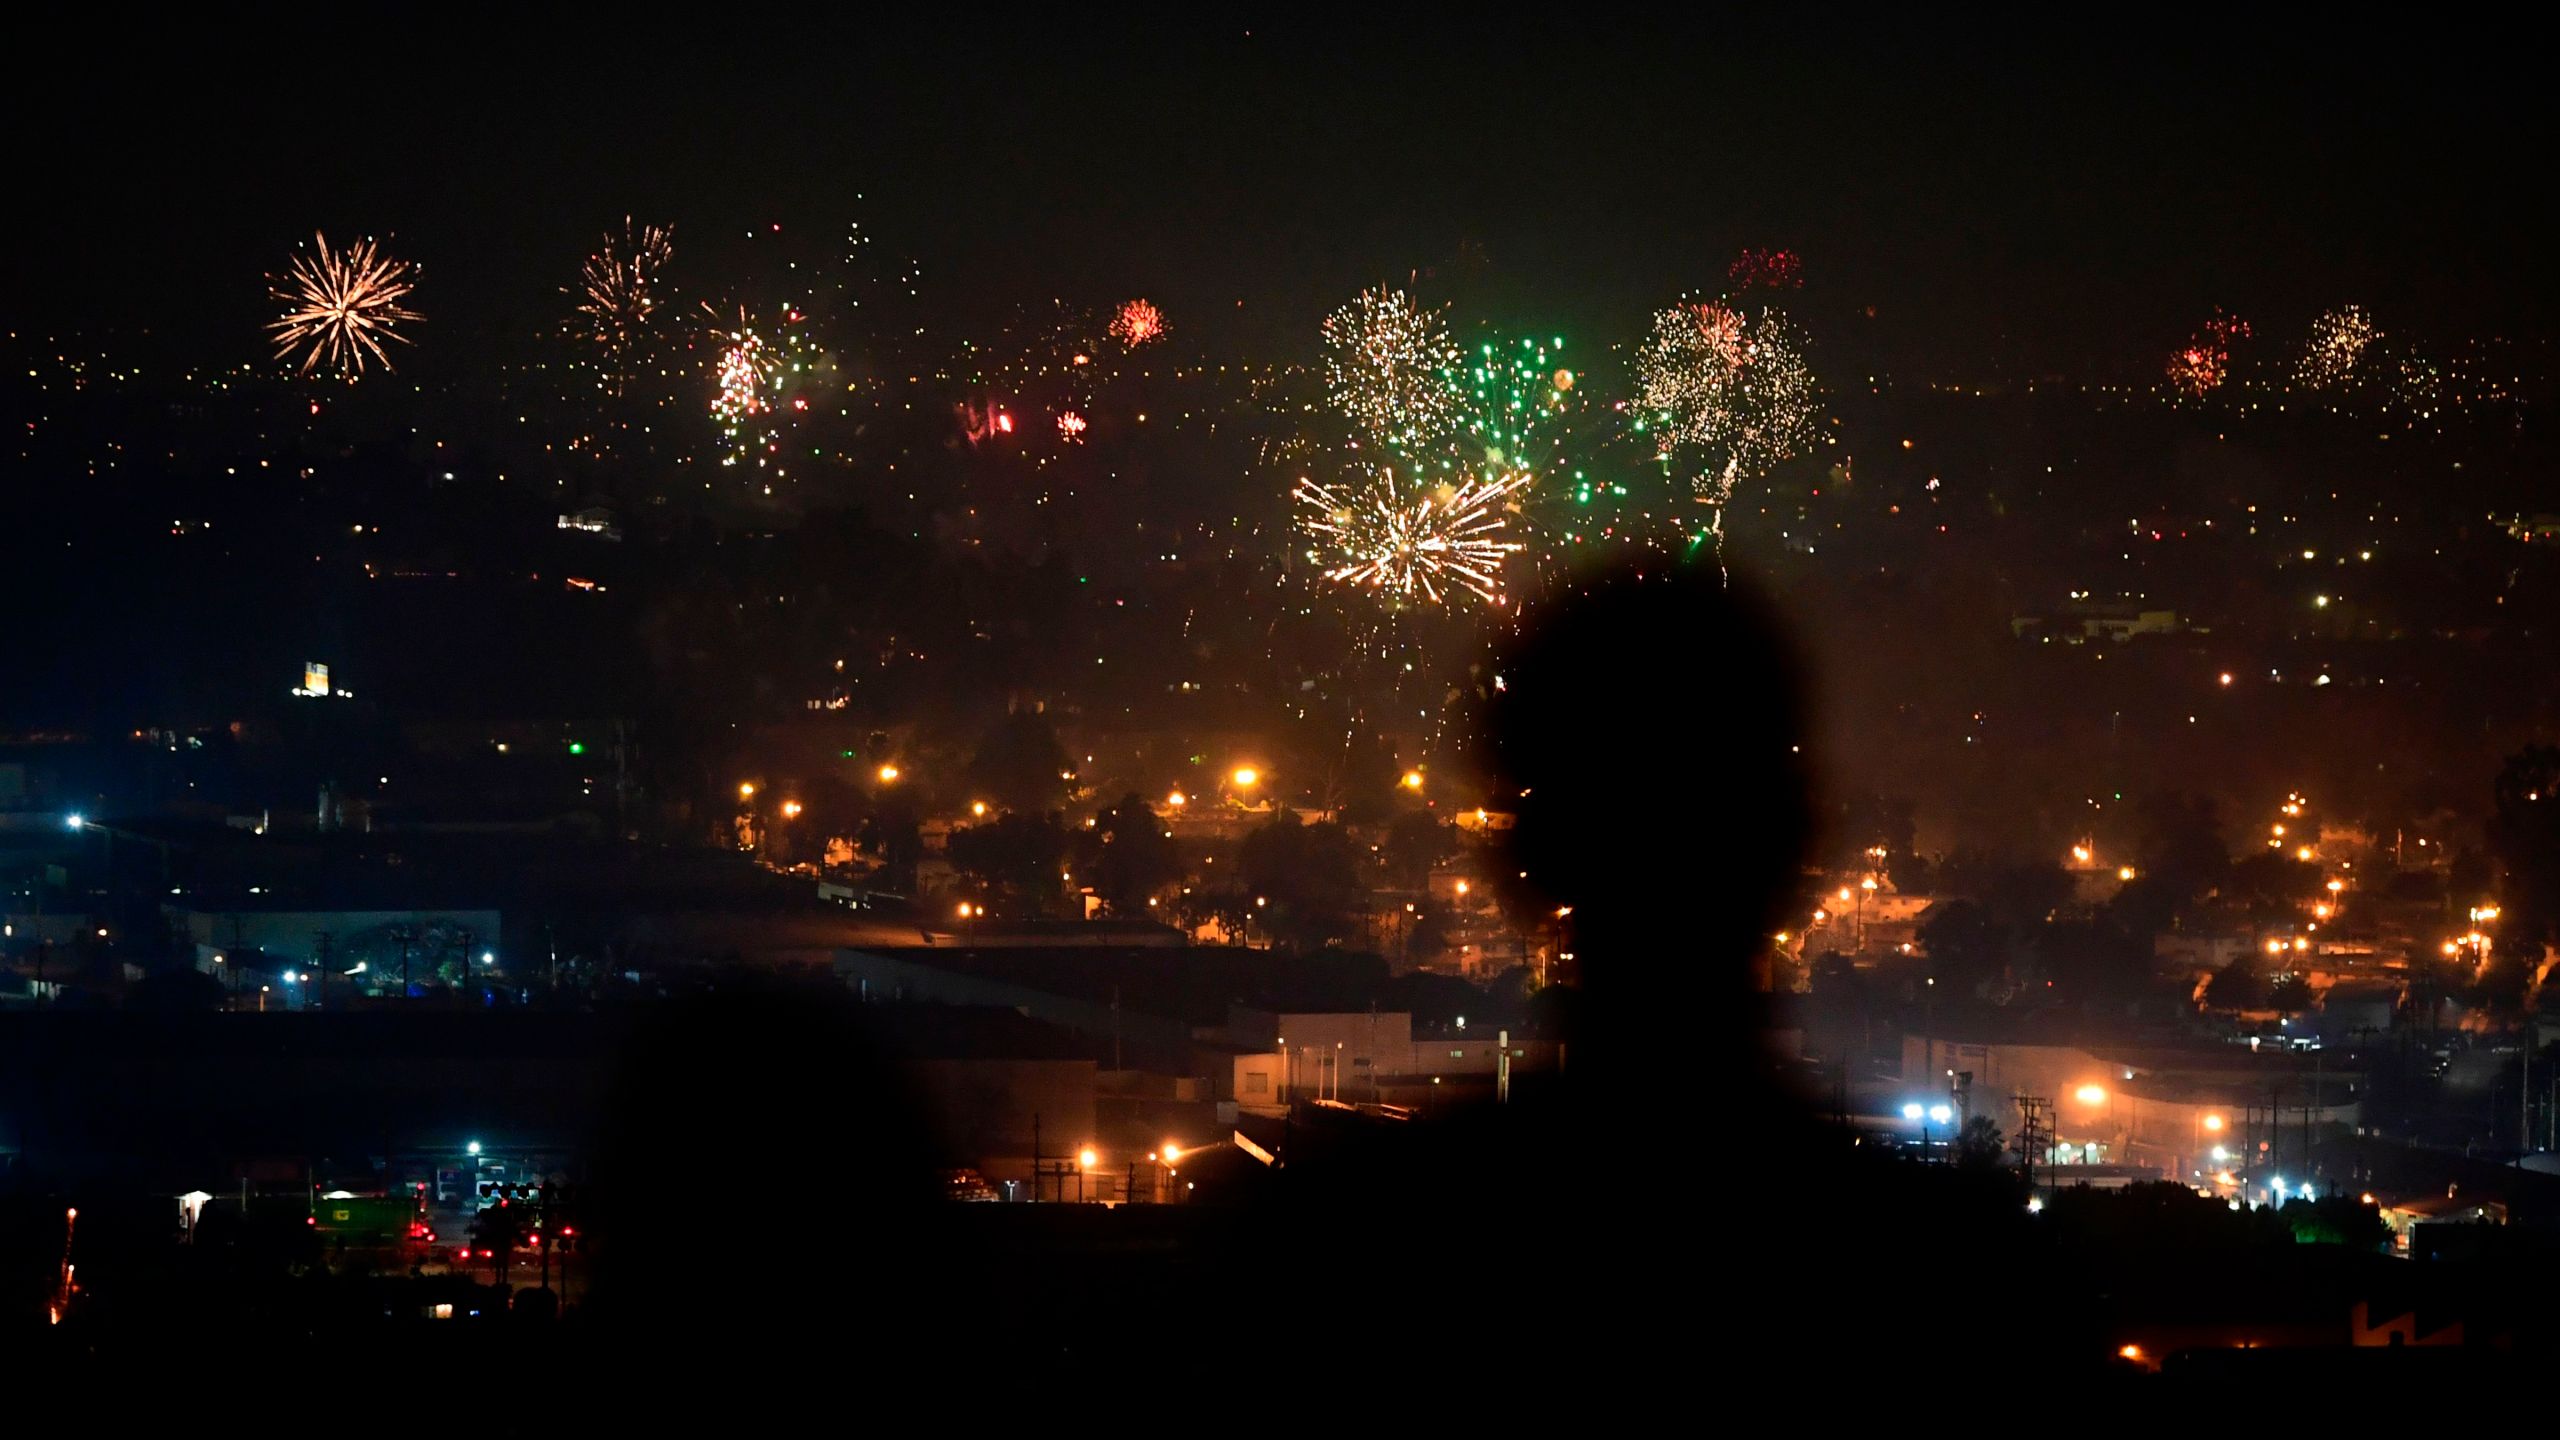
x,y
1911,1112
74,820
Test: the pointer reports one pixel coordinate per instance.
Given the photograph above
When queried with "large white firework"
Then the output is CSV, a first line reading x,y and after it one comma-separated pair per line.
x,y
1411,542
2339,340
1389,364
340,306
1730,388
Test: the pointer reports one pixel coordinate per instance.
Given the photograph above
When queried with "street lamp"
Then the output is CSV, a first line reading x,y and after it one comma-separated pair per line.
x,y
2090,1095
790,809
746,790
1413,779
1246,777
888,774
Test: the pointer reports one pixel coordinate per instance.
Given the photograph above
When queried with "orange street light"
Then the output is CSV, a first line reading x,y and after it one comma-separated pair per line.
x,y
1246,777
2090,1094
790,809
888,774
746,790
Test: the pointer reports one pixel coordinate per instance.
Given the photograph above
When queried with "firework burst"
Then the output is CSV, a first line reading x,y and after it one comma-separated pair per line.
x,y
751,369
1136,324
340,306
1410,543
1766,270
2339,340
618,292
1516,391
2205,363
1730,387
1389,366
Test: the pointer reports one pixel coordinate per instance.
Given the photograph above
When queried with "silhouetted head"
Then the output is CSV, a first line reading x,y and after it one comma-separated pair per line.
x,y
1653,727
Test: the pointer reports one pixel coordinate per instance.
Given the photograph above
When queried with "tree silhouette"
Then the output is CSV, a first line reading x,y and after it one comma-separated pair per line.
x,y
1303,878
2290,993
2236,986
1979,1145
1020,764
2524,834
1016,853
1131,858
1415,844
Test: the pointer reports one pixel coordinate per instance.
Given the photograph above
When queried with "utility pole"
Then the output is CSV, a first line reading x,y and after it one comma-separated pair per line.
x,y
320,955
2032,1133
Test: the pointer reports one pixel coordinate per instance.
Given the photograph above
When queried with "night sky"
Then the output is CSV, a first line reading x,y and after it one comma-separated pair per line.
x,y
2005,199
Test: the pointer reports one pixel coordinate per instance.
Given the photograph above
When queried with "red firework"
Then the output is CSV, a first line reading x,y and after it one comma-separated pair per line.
x,y
1137,323
1071,427
1767,270
2205,362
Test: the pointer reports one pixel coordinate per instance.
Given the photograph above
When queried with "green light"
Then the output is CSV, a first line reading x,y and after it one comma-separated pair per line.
x,y
577,748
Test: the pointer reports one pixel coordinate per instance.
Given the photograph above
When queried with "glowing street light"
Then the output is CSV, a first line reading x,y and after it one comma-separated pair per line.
x,y
1177,800
978,807
2090,1095
2213,1123
2124,873
1087,1157
888,774
1413,779
1246,777
790,809
746,790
